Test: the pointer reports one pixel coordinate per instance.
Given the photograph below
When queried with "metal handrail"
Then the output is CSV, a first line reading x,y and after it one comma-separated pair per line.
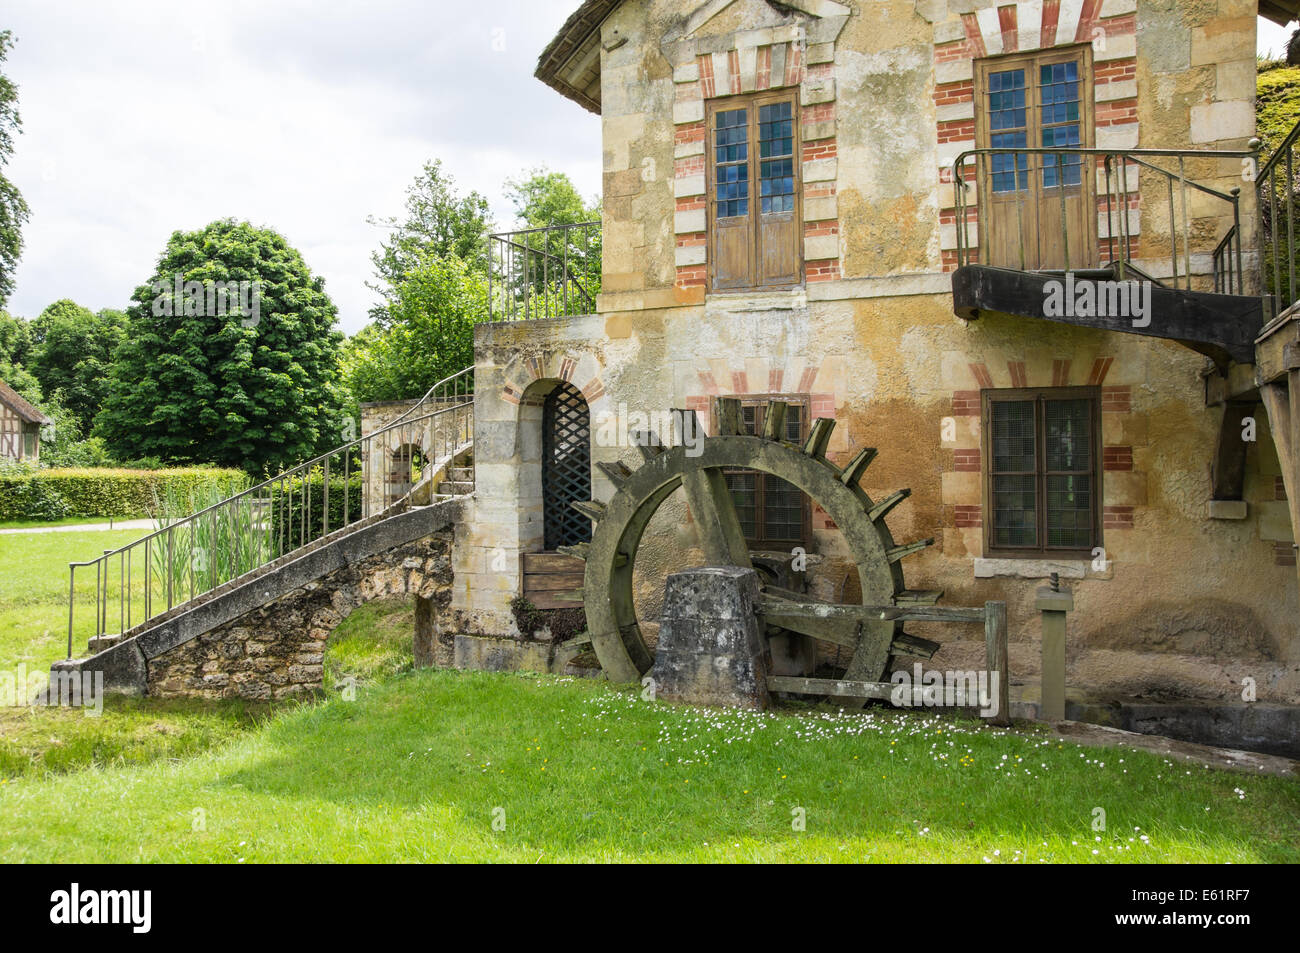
x,y
1276,243
1116,164
262,521
558,276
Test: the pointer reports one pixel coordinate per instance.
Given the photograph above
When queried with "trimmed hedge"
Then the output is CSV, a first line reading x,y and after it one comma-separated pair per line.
x,y
106,493
297,494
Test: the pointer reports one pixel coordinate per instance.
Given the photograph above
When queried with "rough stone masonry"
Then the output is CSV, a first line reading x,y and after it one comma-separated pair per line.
x,y
277,651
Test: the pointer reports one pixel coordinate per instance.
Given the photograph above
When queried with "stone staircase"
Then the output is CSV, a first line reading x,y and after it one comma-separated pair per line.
x,y
382,544
459,481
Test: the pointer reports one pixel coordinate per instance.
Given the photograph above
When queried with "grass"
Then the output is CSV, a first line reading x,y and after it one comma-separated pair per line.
x,y
421,763
67,521
34,593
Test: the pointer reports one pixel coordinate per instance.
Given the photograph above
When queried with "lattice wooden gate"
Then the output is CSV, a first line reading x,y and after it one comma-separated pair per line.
x,y
566,466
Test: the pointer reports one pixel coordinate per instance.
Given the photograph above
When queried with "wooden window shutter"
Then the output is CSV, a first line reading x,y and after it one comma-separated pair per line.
x,y
755,212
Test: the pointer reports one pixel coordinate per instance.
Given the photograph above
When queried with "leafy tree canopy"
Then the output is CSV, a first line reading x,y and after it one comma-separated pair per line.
x,y
431,335
437,223
13,209
72,353
543,198
201,381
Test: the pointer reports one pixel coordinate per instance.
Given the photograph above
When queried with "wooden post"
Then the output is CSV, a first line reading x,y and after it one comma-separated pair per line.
x,y
1282,402
995,646
1053,604
425,631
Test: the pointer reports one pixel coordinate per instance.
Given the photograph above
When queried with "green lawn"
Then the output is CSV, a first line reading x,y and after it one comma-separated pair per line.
x,y
34,593
420,764
417,765
67,521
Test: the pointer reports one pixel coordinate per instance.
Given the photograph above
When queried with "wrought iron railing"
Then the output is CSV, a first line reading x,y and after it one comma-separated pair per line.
x,y
1278,194
1130,187
544,272
192,555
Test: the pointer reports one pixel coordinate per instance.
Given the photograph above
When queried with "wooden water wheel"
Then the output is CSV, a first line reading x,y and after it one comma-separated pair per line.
x,y
870,632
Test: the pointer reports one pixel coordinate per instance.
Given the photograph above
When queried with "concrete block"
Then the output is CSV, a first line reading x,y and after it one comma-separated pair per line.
x,y
1226,509
711,650
688,112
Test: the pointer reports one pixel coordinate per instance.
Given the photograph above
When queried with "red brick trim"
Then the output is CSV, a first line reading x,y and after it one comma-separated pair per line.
x,y
1061,372
968,517
1117,517
1118,400
1117,458
966,461
1100,368
966,403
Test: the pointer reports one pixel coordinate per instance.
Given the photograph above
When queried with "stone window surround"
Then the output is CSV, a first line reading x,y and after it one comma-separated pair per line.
x,y
1110,26
796,54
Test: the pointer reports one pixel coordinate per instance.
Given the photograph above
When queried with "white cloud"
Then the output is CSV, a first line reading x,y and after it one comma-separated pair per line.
x,y
140,118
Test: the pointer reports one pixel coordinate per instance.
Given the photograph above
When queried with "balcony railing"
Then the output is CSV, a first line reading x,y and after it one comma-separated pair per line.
x,y
1138,213
544,272
1278,192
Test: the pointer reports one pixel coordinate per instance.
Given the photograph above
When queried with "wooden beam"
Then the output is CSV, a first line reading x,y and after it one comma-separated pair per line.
x,y
829,686
1228,468
995,648
1282,402
721,536
775,606
1222,327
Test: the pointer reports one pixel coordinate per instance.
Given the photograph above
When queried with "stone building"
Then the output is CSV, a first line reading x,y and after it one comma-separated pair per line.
x,y
1008,288
820,202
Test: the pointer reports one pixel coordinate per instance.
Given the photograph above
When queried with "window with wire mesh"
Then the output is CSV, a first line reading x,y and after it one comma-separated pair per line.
x,y
566,466
1042,489
773,513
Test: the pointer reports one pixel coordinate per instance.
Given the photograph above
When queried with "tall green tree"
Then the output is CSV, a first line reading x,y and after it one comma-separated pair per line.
x,y
437,223
72,354
197,380
543,198
430,336
15,355
13,209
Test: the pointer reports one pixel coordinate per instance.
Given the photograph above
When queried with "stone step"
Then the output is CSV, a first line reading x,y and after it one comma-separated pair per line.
x,y
460,474
455,487
97,643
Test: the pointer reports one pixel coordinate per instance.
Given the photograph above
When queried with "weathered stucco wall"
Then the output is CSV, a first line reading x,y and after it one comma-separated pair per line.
x,y
1185,605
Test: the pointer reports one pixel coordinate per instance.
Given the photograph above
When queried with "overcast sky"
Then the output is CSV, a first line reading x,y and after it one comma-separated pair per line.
x,y
141,117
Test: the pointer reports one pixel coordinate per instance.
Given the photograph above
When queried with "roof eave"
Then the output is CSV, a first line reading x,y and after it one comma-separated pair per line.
x,y
567,44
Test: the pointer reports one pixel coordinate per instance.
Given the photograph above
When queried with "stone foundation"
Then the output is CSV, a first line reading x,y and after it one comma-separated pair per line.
x,y
277,651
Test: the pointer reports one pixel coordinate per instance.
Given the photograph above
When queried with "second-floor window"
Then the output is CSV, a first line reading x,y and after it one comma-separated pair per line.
x,y
1036,206
753,189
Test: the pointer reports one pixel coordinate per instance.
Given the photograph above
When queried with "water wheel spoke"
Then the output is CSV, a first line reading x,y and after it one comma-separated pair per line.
x,y
799,613
721,535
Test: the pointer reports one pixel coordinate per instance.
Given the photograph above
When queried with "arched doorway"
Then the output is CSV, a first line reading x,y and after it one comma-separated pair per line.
x,y
566,466
406,466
